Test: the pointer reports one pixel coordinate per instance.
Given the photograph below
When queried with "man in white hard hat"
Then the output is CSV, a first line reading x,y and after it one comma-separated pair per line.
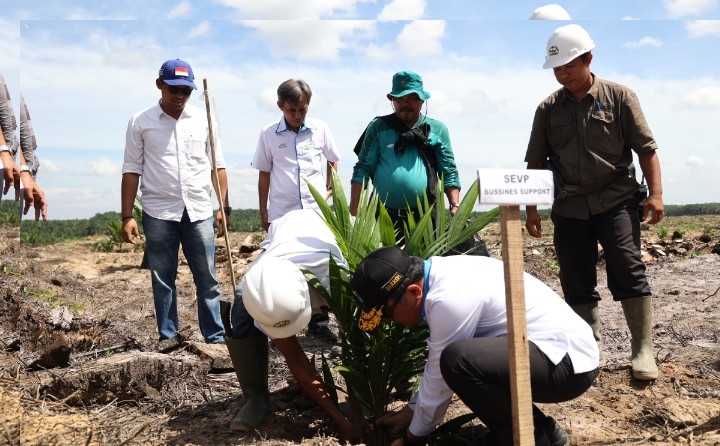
x,y
550,12
274,300
586,133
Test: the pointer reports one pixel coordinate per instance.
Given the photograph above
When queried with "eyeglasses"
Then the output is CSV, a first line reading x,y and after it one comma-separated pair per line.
x,y
175,89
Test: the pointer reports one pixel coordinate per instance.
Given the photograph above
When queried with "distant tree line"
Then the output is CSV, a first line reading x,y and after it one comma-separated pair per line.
x,y
242,220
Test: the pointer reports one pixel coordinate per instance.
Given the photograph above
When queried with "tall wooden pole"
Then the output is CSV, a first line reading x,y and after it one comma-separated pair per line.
x,y
218,192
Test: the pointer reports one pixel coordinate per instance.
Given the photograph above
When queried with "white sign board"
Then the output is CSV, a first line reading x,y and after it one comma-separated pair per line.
x,y
515,186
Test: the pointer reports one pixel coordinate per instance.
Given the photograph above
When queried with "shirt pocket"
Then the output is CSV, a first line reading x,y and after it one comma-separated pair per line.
x,y
601,124
196,148
562,130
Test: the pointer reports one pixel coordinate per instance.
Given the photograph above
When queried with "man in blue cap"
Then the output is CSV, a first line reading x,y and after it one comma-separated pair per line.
x,y
168,145
405,153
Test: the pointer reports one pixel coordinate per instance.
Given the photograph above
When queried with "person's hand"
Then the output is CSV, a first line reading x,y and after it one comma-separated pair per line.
x,y
328,194
35,197
219,228
11,174
655,208
347,431
533,224
130,230
395,423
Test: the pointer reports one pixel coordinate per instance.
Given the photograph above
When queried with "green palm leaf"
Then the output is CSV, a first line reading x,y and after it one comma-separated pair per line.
x,y
390,357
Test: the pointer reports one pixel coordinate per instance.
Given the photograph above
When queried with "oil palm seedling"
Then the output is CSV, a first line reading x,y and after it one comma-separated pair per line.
x,y
376,364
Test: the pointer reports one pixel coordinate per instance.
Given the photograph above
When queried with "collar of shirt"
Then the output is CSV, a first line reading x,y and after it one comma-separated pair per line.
x,y
188,111
427,264
283,127
566,96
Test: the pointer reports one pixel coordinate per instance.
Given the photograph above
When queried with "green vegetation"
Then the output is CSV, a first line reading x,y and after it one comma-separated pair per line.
x,y
391,357
242,220
39,233
662,231
9,212
43,295
114,241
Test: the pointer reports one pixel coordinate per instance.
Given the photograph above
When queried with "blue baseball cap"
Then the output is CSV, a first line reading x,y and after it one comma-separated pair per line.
x,y
177,72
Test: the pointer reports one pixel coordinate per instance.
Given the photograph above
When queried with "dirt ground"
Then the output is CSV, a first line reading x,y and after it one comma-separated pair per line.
x,y
79,361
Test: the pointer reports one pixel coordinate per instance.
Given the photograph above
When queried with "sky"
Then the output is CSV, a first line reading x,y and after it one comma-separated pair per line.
x,y
84,67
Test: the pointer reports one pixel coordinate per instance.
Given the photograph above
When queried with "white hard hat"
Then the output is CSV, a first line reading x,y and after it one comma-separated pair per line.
x,y
567,43
550,12
275,293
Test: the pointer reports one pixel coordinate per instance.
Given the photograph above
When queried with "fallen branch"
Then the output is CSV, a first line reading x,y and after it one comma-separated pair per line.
x,y
716,291
127,345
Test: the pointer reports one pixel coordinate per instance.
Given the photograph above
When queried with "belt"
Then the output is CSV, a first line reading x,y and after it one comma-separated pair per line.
x,y
402,212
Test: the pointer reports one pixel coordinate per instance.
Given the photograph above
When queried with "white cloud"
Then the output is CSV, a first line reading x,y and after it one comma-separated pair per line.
x,y
645,41
49,166
202,29
701,28
702,98
695,161
267,99
289,9
103,166
422,38
403,10
182,9
684,8
309,39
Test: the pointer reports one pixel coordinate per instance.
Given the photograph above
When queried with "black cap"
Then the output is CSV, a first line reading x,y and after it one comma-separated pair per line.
x,y
377,279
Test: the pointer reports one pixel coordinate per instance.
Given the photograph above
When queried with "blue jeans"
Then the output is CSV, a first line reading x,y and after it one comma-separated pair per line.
x,y
243,325
163,239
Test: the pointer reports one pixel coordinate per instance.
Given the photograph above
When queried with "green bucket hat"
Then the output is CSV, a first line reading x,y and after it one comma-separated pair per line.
x,y
407,82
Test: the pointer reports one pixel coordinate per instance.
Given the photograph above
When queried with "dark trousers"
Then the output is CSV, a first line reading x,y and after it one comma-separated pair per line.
x,y
618,232
478,371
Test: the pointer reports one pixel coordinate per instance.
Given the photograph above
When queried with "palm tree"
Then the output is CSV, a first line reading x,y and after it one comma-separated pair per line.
x,y
391,357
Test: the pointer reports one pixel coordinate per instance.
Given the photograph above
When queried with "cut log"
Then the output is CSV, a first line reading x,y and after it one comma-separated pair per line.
x,y
122,377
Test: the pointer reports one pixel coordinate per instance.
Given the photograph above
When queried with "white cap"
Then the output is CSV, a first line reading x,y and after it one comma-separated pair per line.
x,y
550,12
275,293
566,44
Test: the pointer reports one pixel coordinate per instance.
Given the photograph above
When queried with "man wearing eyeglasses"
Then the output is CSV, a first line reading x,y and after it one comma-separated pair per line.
x,y
405,153
168,145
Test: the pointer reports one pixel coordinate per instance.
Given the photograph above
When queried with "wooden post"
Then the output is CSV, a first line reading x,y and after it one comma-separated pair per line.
x,y
218,192
520,390
510,188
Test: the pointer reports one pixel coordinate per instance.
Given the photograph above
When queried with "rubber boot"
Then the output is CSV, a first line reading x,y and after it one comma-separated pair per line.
x,y
638,314
250,360
589,313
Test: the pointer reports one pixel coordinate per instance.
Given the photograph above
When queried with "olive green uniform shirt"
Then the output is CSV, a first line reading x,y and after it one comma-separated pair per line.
x,y
590,141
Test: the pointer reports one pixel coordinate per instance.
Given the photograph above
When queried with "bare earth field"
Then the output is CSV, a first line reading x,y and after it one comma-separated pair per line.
x,y
79,363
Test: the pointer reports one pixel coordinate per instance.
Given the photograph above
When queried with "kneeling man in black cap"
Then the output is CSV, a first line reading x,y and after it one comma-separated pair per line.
x,y
468,345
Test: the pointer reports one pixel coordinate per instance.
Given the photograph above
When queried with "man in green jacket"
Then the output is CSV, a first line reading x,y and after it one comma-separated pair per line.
x,y
404,153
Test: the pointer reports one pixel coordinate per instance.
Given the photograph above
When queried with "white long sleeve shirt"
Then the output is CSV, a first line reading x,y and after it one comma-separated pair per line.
x,y
292,158
174,161
466,299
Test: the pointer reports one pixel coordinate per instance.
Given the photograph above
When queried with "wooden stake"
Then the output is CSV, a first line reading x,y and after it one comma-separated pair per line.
x,y
217,182
520,391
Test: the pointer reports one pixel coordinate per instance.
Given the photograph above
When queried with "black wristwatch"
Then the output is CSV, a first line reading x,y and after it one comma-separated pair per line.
x,y
227,209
